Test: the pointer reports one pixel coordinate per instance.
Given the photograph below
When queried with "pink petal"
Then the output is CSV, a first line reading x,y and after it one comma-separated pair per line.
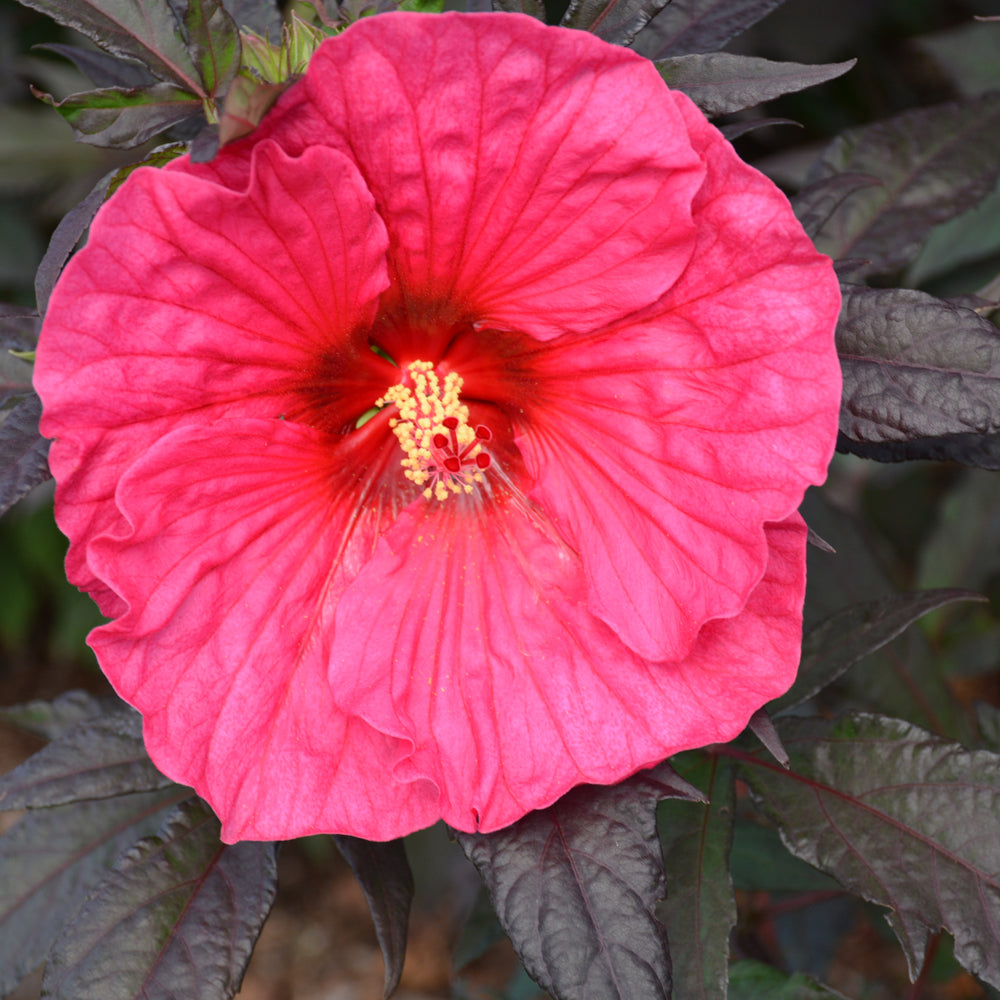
x,y
467,637
243,535
517,186
191,302
661,448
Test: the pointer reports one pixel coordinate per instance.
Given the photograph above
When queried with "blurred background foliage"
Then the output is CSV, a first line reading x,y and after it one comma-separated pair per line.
x,y
895,527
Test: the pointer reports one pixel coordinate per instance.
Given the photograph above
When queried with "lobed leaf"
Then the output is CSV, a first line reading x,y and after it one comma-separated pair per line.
x,y
383,871
177,916
576,886
126,117
903,818
834,645
95,759
721,83
52,858
699,910
617,21
688,26
921,378
23,452
933,163
146,31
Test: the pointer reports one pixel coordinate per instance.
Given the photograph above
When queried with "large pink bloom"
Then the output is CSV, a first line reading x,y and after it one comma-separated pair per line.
x,y
623,344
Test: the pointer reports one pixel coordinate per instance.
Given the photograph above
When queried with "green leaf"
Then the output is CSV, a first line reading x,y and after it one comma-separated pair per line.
x,y
934,163
52,858
177,916
902,678
921,378
964,548
615,21
721,83
756,981
687,26
95,759
900,817
212,40
760,862
480,932
383,872
126,118
699,910
967,54
576,887
147,31
833,646
23,452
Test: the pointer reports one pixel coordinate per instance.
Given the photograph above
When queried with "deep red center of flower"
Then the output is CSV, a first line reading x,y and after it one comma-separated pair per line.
x,y
425,399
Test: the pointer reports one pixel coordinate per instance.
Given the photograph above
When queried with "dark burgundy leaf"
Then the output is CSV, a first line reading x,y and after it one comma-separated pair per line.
x,y
52,858
734,130
15,372
576,887
96,759
615,21
19,326
686,26
903,818
720,83
103,70
23,452
699,910
384,873
919,369
126,118
982,450
837,643
934,163
762,727
815,204
177,917
65,238
146,31
756,981
533,8
50,719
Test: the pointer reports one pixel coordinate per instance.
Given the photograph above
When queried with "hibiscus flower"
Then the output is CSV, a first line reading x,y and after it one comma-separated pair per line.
x,y
437,447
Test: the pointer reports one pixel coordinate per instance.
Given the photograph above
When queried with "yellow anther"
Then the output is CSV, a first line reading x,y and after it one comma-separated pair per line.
x,y
441,451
